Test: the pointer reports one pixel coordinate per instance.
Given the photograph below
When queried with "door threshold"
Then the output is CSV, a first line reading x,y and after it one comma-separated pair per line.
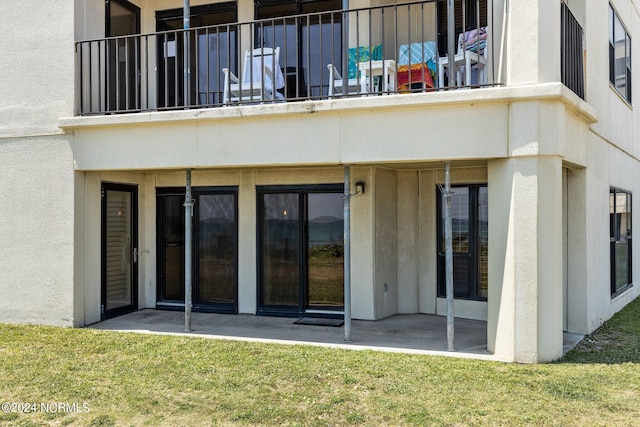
x,y
333,312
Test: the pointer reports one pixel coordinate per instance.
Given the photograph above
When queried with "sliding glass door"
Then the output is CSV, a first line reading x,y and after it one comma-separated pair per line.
x,y
304,65
301,250
214,249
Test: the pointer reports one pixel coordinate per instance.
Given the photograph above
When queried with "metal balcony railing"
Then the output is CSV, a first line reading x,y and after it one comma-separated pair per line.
x,y
382,50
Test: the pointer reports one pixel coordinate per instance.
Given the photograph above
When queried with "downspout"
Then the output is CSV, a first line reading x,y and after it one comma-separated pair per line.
x,y
347,255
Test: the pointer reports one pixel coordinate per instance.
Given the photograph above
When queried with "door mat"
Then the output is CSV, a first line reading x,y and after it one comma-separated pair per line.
x,y
319,321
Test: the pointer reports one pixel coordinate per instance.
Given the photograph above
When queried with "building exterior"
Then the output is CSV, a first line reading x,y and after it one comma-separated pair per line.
x,y
97,133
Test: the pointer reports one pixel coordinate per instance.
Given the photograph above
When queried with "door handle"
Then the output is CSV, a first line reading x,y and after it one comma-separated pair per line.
x,y
135,254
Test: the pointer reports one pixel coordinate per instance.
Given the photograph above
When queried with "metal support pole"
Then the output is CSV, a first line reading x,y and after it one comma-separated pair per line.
x,y
451,41
347,255
188,217
186,18
448,254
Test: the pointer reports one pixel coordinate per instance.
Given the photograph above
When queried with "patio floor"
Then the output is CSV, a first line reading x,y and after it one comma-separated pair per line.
x,y
408,333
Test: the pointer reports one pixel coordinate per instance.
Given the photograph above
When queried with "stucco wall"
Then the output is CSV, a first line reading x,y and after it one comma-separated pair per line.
x,y
37,64
36,230
386,250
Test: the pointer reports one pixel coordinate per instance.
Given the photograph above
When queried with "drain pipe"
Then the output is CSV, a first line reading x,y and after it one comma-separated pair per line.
x,y
347,255
448,254
188,217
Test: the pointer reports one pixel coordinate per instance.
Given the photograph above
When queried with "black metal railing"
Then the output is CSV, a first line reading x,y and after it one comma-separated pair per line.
x,y
571,52
370,51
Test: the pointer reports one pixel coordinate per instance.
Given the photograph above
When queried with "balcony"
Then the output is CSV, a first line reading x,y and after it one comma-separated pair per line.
x,y
376,51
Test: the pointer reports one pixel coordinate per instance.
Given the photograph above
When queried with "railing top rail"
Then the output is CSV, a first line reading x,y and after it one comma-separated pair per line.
x,y
259,21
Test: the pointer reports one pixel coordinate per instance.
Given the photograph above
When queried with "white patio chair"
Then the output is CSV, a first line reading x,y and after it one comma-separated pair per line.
x,y
261,78
336,83
472,52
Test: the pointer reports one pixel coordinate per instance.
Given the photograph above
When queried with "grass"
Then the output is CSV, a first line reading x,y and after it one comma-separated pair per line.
x,y
128,379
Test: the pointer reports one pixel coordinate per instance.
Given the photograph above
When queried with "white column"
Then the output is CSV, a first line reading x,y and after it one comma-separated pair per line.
x,y
525,258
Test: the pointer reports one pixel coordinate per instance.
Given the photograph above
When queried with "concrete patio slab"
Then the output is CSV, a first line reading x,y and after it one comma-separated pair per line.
x,y
407,333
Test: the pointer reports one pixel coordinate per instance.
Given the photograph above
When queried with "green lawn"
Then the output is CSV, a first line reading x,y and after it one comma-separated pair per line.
x,y
128,379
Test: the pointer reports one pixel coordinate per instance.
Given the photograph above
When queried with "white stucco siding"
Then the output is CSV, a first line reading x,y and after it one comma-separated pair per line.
x,y
333,136
36,231
408,219
385,188
37,64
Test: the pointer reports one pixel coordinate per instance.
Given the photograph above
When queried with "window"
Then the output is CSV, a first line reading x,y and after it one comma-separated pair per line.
x,y
571,53
619,55
620,238
470,226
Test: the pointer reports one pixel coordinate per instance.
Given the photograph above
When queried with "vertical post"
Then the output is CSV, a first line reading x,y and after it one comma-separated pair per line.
x,y
347,255
186,18
448,254
451,43
188,216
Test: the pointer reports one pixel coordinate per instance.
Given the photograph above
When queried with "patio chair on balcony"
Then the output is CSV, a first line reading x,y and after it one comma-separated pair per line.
x,y
471,55
261,78
353,85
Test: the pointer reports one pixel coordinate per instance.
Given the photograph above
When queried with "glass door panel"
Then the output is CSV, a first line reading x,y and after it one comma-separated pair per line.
x,y
119,273
216,249
325,251
307,44
210,50
280,250
123,19
172,248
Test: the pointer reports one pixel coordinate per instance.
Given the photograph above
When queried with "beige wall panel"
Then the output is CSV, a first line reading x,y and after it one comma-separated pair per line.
x,y
577,235
576,134
199,178
621,118
416,134
79,249
427,242
501,303
147,242
34,42
247,243
386,248
37,187
408,218
307,176
464,309
363,245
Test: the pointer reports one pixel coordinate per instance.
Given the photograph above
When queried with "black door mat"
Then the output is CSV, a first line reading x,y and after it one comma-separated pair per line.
x,y
319,321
